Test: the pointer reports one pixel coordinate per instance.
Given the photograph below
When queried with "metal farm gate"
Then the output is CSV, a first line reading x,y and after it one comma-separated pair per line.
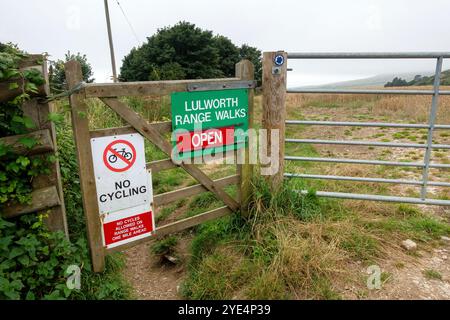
x,y
275,76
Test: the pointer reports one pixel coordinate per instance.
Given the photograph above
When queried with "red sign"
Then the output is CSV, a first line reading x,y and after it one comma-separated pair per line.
x,y
119,155
128,228
209,138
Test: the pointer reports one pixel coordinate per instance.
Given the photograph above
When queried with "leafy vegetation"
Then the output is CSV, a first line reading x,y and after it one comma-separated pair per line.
x,y
420,80
57,76
185,51
33,260
17,171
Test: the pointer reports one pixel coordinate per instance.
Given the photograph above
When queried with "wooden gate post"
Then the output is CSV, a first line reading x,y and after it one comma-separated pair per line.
x,y
274,108
80,126
246,71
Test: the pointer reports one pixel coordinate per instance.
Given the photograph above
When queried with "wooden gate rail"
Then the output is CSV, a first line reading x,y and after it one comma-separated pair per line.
x,y
155,133
146,88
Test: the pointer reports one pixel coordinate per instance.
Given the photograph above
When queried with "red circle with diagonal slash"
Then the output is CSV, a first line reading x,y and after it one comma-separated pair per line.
x,y
109,148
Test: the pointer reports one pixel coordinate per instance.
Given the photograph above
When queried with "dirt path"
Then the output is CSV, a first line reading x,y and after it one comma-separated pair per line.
x,y
149,278
412,281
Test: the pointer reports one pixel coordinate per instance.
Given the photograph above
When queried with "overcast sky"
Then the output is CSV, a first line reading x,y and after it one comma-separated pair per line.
x,y
55,26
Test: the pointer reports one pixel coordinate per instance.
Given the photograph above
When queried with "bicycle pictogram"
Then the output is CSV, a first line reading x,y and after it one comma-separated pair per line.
x,y
119,156
127,155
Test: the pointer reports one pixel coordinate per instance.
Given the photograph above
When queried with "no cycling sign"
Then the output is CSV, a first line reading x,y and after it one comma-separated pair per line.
x,y
116,157
124,189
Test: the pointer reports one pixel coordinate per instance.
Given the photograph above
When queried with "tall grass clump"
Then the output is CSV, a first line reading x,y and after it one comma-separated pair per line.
x,y
280,251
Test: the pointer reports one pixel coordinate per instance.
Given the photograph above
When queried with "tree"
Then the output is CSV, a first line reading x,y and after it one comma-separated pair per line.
x,y
185,51
57,76
254,55
397,82
228,55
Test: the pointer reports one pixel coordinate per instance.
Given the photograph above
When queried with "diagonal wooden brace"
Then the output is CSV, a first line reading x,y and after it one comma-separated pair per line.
x,y
145,128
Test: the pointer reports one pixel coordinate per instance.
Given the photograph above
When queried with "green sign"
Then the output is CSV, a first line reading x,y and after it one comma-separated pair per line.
x,y
209,122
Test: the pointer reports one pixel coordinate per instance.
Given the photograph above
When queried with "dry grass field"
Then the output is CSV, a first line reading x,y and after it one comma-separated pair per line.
x,y
369,108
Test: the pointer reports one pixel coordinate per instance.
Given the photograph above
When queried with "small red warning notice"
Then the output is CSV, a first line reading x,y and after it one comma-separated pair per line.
x,y
209,138
128,228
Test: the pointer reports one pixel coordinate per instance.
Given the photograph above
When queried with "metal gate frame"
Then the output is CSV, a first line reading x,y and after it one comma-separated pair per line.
x,y
429,146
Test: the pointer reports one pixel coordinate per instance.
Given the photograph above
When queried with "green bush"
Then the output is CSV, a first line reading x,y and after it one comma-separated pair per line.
x,y
33,260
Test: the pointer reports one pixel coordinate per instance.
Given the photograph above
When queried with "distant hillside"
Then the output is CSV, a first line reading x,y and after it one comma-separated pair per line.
x,y
419,80
375,81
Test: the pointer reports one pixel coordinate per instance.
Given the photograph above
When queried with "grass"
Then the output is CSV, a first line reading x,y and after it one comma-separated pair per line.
x,y
164,246
298,246
432,274
273,255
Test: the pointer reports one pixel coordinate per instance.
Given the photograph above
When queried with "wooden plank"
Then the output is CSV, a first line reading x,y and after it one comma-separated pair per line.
x,y
246,71
274,111
43,138
177,226
165,198
32,60
42,199
163,127
160,165
7,94
84,155
156,138
145,88
192,221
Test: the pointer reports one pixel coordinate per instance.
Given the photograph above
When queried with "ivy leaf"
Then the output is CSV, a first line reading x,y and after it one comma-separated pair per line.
x,y
17,119
30,296
82,114
3,149
31,87
13,85
5,242
24,161
55,117
27,142
24,260
15,252
29,123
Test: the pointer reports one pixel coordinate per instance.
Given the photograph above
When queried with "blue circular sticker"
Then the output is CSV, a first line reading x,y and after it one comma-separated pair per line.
x,y
279,60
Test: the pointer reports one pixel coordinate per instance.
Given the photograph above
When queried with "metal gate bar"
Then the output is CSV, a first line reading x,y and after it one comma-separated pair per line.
x,y
357,196
372,162
364,179
369,91
367,124
429,146
369,143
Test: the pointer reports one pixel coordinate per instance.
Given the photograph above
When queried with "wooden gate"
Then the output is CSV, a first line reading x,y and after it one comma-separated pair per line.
x,y
154,132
